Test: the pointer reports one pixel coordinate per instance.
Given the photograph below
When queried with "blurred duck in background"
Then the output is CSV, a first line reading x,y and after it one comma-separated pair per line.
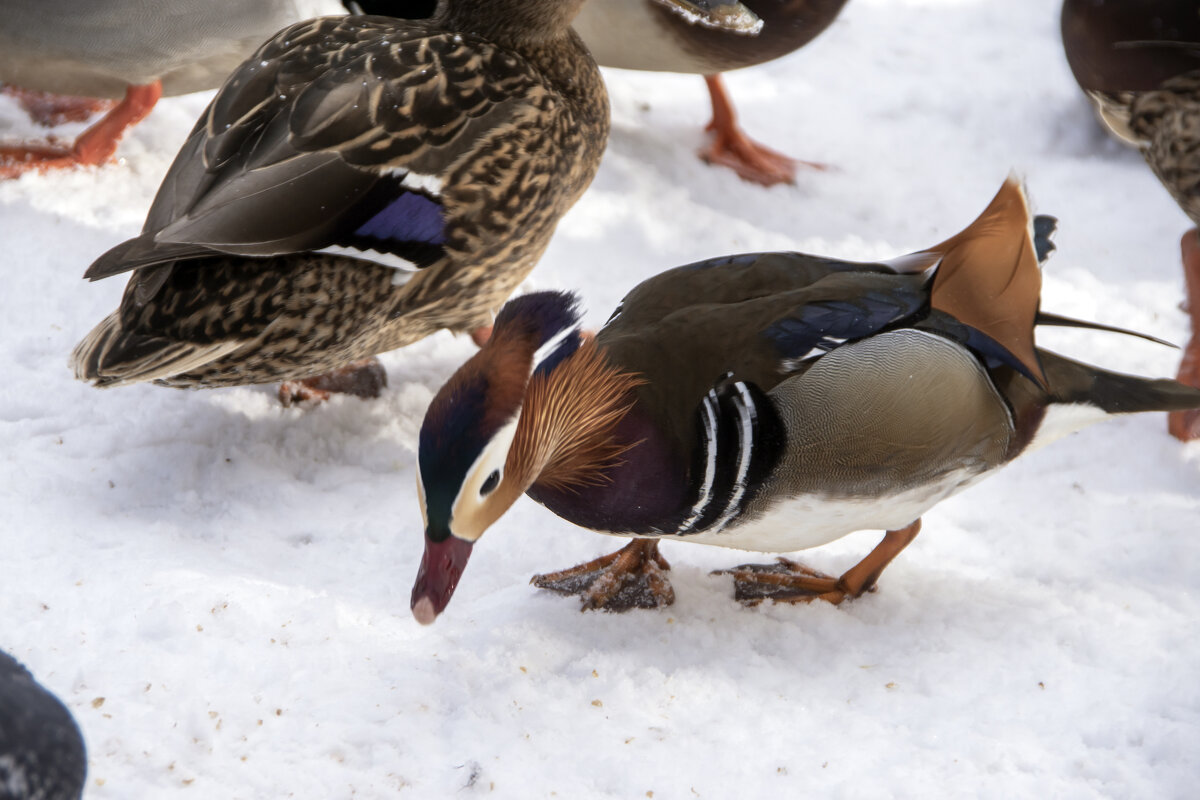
x,y
1139,63
704,37
64,60
638,34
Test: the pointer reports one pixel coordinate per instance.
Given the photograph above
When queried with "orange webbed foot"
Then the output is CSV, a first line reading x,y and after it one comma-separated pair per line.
x,y
50,110
94,146
732,148
791,582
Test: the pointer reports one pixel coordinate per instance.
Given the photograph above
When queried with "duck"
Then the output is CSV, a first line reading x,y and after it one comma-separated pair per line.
x,y
769,401
446,148
703,37
638,35
1139,64
63,61
42,754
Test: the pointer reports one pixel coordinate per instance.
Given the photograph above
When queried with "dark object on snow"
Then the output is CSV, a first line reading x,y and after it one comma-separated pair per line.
x,y
42,755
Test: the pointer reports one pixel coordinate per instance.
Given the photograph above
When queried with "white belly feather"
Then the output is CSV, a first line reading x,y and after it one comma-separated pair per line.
x,y
798,523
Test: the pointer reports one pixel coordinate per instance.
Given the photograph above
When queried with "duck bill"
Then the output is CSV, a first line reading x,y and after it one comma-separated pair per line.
x,y
441,567
723,15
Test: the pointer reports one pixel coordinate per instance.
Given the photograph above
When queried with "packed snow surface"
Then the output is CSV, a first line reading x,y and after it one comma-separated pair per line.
x,y
218,587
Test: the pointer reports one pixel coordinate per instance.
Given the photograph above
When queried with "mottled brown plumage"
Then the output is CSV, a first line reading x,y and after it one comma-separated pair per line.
x,y
1166,122
454,143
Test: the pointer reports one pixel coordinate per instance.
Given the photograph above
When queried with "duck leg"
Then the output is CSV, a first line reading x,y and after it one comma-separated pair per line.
x,y
1185,425
791,582
365,378
732,148
632,577
94,146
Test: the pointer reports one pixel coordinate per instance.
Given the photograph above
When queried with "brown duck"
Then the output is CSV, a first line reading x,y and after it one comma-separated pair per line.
x,y
452,143
1139,62
771,401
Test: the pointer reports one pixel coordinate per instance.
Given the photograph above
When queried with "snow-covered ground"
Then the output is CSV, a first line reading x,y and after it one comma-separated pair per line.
x,y
218,587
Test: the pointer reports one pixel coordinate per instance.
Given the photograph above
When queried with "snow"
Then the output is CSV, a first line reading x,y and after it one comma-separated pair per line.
x,y
218,587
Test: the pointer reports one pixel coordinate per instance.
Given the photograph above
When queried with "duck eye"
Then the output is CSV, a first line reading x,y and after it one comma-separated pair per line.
x,y
490,484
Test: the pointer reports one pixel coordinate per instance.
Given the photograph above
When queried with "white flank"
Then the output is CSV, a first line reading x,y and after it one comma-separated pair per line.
x,y
1063,420
799,523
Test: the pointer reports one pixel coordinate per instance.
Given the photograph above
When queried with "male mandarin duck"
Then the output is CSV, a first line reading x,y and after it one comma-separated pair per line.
x,y
42,754
1139,62
771,401
454,143
635,34
65,59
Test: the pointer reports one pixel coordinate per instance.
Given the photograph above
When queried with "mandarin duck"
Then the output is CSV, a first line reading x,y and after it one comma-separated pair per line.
x,y
771,401
452,143
636,34
63,60
1139,63
42,755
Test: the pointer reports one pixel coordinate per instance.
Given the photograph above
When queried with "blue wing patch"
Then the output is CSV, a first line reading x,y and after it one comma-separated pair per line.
x,y
814,329
397,219
411,217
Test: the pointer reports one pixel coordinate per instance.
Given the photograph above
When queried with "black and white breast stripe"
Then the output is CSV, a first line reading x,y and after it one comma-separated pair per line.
x,y
740,440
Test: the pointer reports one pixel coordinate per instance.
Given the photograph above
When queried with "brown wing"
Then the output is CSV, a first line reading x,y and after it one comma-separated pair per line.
x,y
315,134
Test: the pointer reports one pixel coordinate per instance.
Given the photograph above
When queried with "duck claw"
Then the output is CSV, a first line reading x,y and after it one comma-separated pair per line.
x,y
632,577
365,378
791,582
785,581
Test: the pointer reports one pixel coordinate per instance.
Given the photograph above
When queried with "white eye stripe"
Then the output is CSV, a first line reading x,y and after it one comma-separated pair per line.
x,y
491,459
552,344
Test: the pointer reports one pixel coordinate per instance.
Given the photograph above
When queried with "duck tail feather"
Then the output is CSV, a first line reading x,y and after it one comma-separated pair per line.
x,y
1056,320
111,356
1072,382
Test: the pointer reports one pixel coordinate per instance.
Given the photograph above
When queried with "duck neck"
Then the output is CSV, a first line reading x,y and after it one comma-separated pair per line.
x,y
565,438
517,23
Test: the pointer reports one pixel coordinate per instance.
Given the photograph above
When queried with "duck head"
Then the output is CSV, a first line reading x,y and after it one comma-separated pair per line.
x,y
468,472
